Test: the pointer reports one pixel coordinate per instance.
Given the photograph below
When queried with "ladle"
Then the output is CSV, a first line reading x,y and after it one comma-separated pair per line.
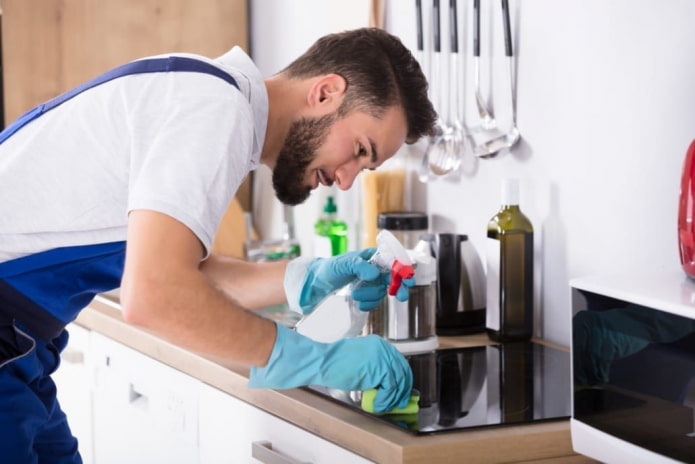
x,y
434,78
487,120
447,157
494,145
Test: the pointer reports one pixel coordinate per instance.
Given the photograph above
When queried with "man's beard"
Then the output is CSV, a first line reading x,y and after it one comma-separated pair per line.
x,y
299,150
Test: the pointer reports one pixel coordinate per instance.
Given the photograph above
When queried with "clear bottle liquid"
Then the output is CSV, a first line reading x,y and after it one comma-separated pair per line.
x,y
509,314
331,232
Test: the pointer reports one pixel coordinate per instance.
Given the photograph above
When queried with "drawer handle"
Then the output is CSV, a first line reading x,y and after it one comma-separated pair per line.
x,y
137,398
263,451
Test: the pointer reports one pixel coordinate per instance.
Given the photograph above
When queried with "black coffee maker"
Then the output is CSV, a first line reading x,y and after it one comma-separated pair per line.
x,y
461,285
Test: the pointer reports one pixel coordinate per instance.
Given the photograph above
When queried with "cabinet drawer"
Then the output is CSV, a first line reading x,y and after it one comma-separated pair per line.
x,y
229,428
144,410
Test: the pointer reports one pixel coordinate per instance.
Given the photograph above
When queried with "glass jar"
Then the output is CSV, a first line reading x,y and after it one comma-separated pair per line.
x,y
407,226
413,319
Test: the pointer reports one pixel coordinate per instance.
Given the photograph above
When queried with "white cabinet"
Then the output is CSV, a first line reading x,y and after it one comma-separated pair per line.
x,y
74,381
144,411
125,407
231,428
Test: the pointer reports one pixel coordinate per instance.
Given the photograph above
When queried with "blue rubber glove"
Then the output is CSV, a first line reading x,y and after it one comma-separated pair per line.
x,y
350,364
309,282
368,295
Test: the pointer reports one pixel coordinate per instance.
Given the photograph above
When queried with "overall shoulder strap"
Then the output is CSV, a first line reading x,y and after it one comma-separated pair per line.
x,y
166,64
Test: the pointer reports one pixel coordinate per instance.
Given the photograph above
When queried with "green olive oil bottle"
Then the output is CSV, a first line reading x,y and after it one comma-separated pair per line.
x,y
509,313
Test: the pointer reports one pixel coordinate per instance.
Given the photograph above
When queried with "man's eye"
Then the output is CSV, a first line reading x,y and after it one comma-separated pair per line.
x,y
362,151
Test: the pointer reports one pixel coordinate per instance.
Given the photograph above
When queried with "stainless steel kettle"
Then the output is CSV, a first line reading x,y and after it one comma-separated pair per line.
x,y
461,285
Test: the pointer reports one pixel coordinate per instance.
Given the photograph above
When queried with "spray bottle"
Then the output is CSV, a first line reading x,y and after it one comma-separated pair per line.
x,y
337,316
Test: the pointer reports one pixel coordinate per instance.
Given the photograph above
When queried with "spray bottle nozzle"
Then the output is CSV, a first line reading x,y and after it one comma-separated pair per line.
x,y
399,271
392,257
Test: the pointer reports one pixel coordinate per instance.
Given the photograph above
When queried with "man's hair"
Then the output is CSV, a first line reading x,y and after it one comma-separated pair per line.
x,y
380,72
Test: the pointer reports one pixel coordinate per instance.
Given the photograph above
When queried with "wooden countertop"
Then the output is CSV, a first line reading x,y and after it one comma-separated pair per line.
x,y
543,442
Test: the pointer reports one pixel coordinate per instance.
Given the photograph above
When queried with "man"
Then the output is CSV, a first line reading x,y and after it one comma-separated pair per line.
x,y
123,182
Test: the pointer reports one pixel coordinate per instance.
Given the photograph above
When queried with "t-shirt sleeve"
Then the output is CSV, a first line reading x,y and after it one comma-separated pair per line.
x,y
190,164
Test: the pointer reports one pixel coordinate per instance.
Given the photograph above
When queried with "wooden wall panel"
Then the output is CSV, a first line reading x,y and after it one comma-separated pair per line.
x,y
50,46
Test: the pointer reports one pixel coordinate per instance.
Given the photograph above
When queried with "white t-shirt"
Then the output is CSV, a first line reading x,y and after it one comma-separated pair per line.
x,y
179,143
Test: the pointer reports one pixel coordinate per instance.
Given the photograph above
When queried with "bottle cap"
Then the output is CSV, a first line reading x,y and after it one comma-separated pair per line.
x,y
510,192
330,206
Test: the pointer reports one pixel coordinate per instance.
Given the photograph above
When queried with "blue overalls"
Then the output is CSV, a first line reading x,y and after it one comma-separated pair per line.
x,y
39,295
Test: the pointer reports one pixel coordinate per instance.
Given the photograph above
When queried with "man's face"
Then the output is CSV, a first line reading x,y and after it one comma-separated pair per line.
x,y
327,150
299,150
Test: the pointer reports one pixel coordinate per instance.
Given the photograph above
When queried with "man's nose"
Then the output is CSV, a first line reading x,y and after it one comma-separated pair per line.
x,y
346,174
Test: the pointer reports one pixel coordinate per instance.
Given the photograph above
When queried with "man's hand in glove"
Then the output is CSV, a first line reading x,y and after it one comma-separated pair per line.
x,y
308,281
350,364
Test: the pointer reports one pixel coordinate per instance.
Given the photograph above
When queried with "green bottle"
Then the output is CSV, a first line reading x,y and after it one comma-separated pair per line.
x,y
331,232
509,312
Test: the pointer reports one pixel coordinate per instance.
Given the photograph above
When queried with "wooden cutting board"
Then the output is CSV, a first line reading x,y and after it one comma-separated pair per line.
x,y
231,234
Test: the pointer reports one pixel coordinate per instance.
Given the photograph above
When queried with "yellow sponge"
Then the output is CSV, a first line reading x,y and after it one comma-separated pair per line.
x,y
412,407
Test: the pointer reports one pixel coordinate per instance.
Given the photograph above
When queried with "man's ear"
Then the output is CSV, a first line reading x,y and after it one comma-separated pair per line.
x,y
327,92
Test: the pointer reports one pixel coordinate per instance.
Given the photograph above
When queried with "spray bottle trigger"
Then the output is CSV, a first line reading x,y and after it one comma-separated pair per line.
x,y
399,271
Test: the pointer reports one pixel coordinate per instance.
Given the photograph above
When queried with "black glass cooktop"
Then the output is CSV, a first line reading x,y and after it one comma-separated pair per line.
x,y
462,388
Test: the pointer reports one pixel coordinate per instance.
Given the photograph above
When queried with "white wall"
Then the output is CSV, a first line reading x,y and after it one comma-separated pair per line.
x,y
606,109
